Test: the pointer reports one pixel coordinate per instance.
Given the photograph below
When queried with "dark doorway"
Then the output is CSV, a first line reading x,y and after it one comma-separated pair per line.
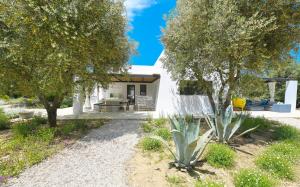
x,y
131,94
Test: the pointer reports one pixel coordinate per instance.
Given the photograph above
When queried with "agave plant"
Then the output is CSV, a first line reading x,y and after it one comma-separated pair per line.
x,y
224,126
189,144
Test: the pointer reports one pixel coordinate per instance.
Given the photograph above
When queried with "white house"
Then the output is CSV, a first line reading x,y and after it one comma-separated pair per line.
x,y
144,88
151,88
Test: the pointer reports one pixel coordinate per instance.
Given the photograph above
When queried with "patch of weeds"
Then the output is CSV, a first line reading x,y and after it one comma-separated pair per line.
x,y
174,180
286,132
46,134
164,133
220,155
251,122
39,120
150,144
208,183
288,150
160,122
276,164
4,121
71,128
24,129
252,178
147,127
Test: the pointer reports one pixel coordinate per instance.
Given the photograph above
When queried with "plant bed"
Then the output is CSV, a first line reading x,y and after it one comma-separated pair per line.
x,y
30,142
154,168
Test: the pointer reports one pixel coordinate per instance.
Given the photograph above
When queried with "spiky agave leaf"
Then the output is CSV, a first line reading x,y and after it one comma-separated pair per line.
x,y
201,145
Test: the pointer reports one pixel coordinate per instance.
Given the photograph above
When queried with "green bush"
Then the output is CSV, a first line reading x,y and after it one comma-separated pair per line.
x,y
24,129
67,102
150,144
286,132
147,127
220,155
164,133
276,164
4,121
46,134
39,120
68,129
160,122
288,150
252,178
251,122
208,183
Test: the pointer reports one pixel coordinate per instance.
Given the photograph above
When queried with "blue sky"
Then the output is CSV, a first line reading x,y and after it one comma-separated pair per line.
x,y
146,20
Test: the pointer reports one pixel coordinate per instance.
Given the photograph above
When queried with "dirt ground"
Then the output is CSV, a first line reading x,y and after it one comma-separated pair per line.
x,y
152,169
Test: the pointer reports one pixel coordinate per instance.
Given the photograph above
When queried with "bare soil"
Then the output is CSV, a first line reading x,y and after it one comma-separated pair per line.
x,y
148,169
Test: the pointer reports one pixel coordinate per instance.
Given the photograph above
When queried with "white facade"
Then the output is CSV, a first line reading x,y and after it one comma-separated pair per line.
x,y
164,92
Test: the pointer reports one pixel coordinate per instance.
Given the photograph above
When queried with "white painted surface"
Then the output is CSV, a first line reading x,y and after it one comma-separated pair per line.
x,y
291,94
169,102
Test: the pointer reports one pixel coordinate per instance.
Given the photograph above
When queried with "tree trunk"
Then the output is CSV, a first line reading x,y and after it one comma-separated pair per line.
x,y
52,116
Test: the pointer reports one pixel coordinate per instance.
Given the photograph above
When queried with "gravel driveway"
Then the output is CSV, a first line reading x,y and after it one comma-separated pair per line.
x,y
96,160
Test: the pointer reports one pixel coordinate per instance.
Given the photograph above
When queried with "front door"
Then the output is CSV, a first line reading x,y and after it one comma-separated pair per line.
x,y
131,94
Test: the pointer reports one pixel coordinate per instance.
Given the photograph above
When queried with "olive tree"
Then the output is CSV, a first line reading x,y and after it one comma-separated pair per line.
x,y
45,44
214,41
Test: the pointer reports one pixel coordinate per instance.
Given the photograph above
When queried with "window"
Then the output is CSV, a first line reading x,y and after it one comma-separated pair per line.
x,y
143,90
188,87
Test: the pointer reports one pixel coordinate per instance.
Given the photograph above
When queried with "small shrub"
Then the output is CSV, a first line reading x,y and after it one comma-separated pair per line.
x,y
276,164
160,122
252,178
24,129
175,180
4,121
164,133
251,122
208,183
288,150
286,132
46,134
147,127
39,120
150,144
220,155
67,102
68,129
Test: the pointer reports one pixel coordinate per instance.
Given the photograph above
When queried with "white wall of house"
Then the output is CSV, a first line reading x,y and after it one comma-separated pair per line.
x,y
170,102
291,94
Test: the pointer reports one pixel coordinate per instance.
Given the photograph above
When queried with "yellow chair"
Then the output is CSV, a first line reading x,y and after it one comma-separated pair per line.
x,y
239,103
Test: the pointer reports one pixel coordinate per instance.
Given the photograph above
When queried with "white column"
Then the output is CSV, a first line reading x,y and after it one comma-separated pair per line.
x,y
272,86
87,104
77,102
291,94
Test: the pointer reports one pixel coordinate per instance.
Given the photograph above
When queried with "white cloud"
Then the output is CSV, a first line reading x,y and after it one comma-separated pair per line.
x,y
134,7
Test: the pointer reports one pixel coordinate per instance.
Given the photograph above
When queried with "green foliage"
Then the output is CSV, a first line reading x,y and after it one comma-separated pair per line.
x,y
69,128
252,86
288,150
286,132
46,134
4,121
276,164
39,120
206,40
174,180
147,127
67,102
220,155
164,133
262,123
24,129
189,145
160,122
150,144
49,43
252,178
208,183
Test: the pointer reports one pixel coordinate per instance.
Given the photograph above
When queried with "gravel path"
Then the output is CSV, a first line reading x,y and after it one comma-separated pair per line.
x,y
96,160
